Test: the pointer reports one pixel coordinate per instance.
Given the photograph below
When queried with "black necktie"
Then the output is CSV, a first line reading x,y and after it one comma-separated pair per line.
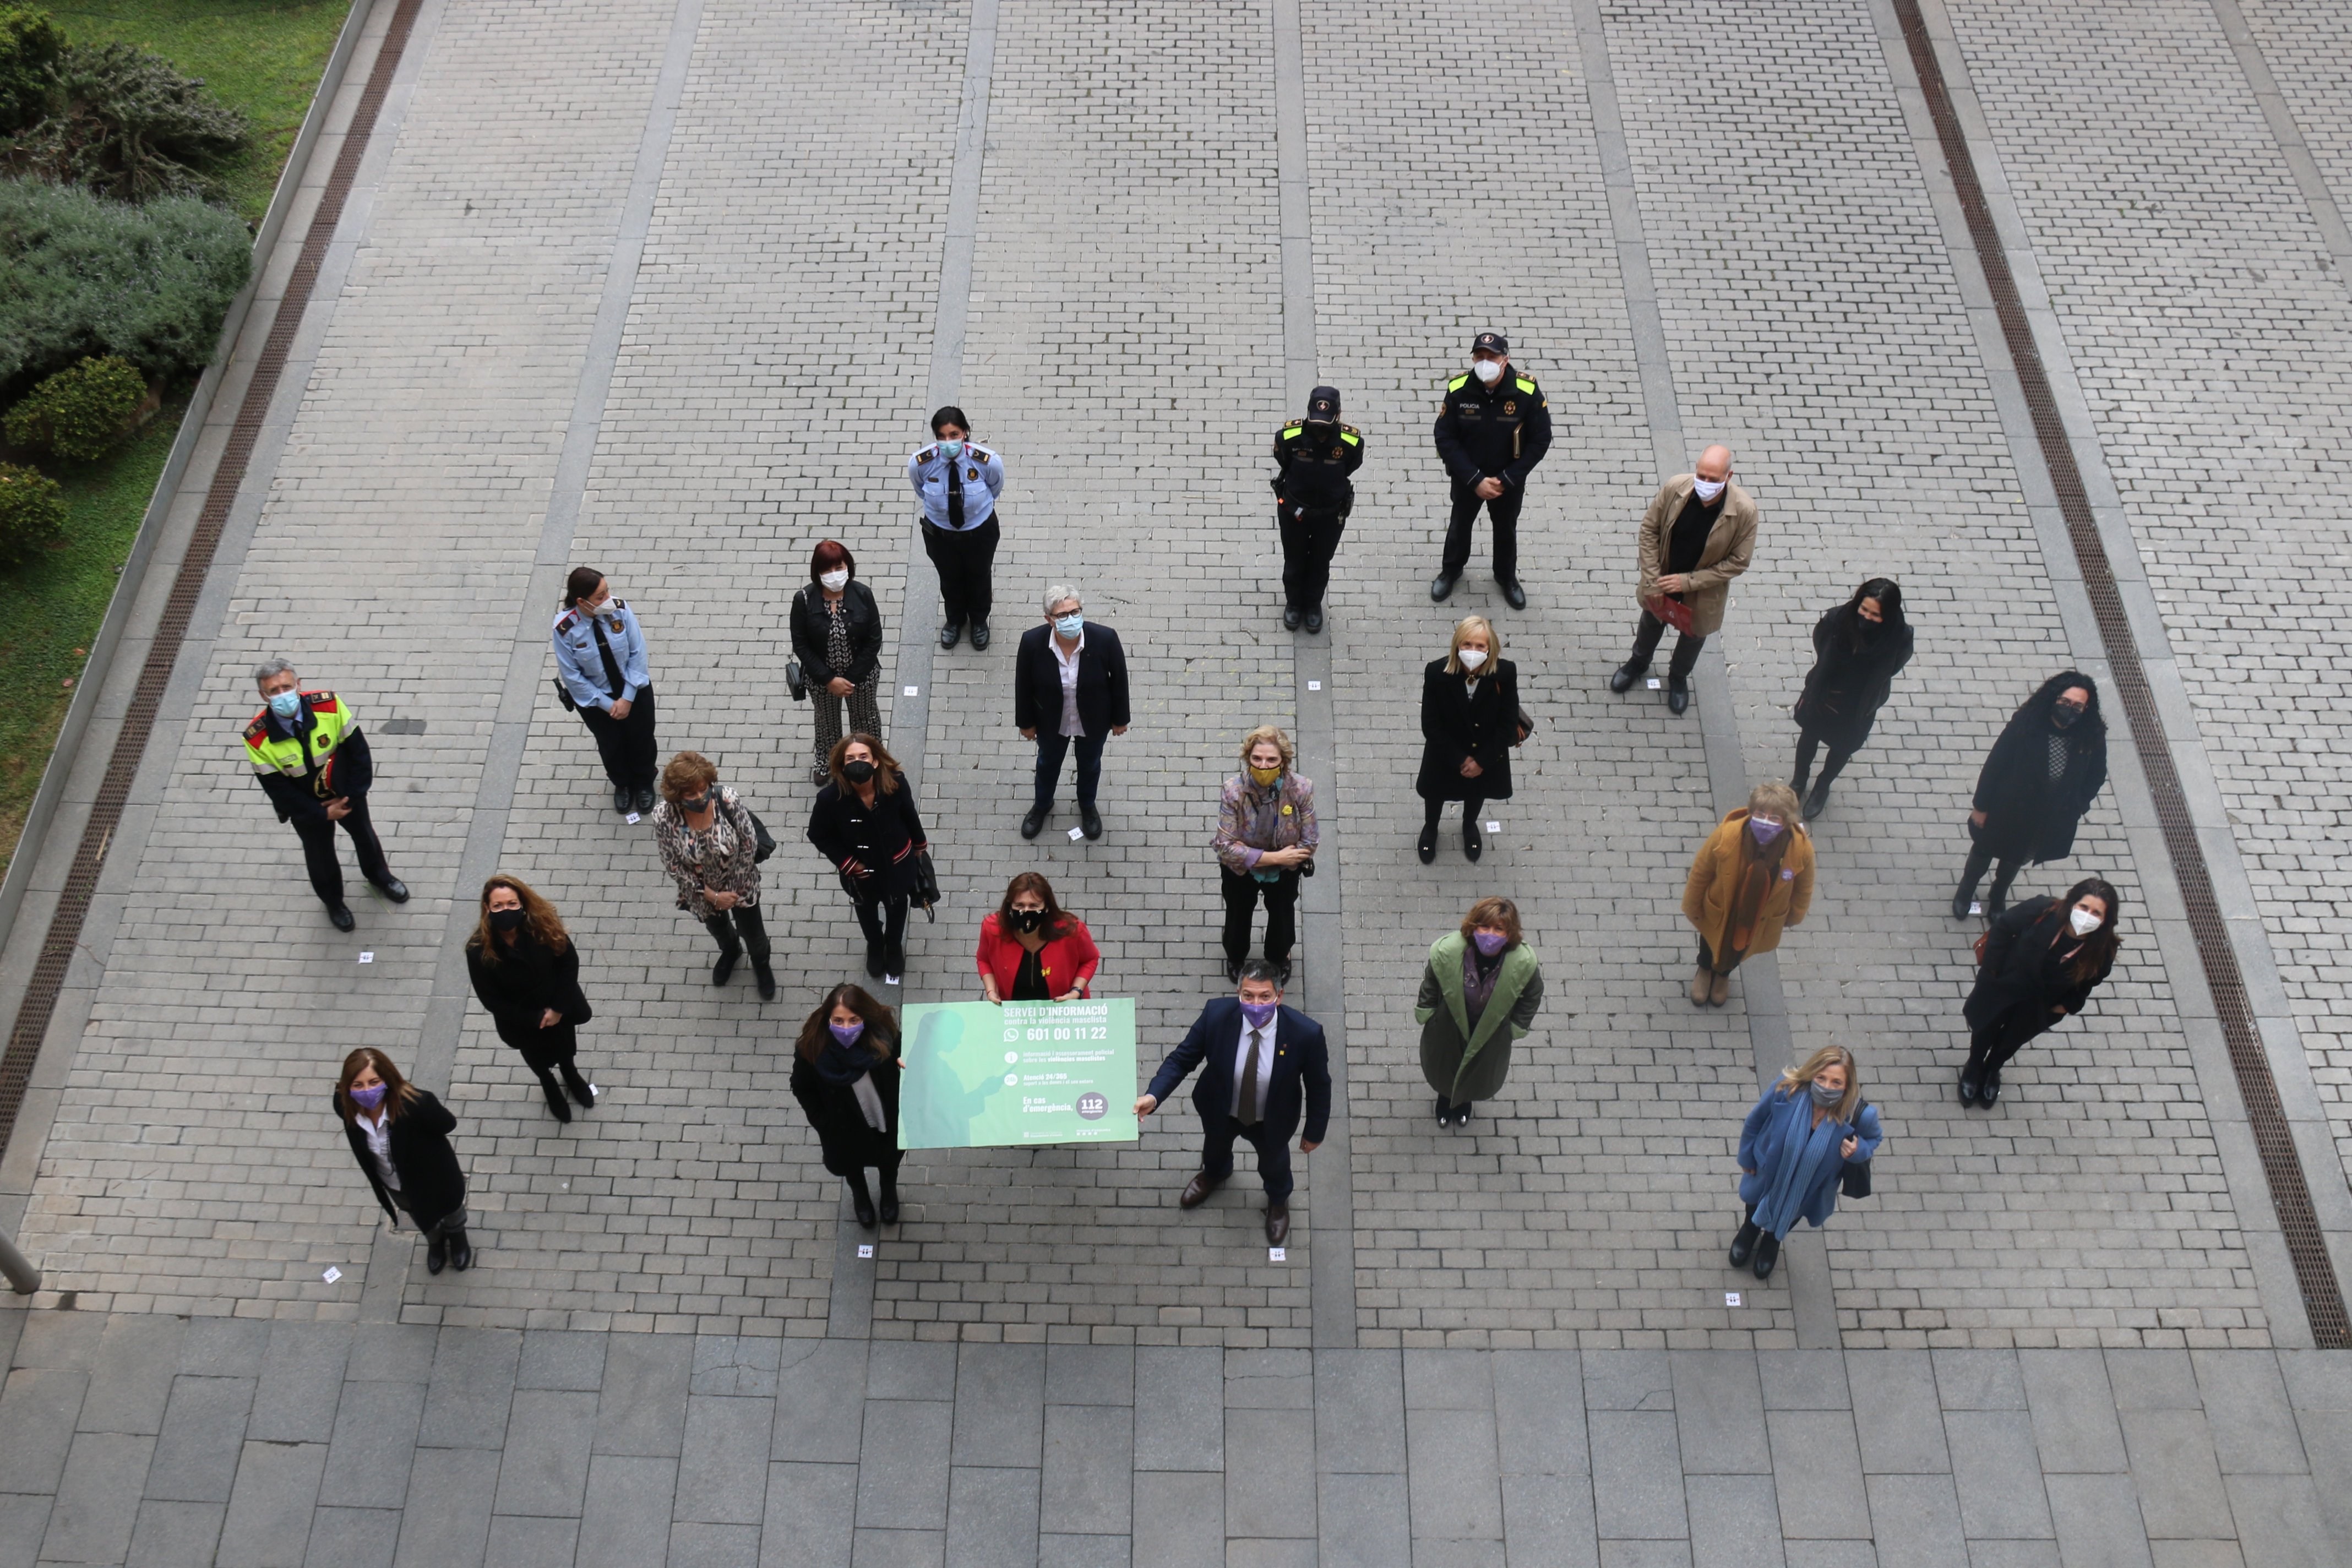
x,y
605,651
955,496
1248,1114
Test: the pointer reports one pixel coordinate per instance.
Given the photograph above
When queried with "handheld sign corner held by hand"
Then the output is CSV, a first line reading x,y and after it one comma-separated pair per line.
x,y
983,1076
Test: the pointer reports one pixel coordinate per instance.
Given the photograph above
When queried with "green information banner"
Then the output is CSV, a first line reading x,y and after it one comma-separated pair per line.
x,y
981,1076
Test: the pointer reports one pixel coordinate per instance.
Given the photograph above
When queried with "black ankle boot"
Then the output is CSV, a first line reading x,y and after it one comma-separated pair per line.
x,y
581,1090
557,1106
725,967
765,977
437,1255
461,1252
1743,1244
861,1202
890,1198
1768,1253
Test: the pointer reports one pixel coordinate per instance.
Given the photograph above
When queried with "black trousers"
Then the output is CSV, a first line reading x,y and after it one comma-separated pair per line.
x,y
1990,1049
626,745
1706,960
1503,511
1806,741
1217,1135
1309,540
1979,859
1052,747
551,1053
963,560
1645,643
885,921
1469,810
744,919
1242,894
326,869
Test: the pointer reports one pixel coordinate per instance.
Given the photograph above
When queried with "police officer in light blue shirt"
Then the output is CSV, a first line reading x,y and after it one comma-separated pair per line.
x,y
600,661
959,483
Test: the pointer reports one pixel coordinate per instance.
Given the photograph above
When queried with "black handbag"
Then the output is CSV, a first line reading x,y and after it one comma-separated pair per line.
x,y
1854,1182
767,846
795,682
927,886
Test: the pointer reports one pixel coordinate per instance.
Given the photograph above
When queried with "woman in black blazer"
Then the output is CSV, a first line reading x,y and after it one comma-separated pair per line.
x,y
845,1076
2041,961
1469,722
399,1135
865,823
837,637
526,970
1097,695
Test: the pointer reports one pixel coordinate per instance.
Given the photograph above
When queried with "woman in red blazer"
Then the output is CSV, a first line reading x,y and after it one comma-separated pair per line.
x,y
1032,949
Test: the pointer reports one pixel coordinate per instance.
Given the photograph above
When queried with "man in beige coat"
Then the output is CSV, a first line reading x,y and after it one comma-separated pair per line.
x,y
1698,534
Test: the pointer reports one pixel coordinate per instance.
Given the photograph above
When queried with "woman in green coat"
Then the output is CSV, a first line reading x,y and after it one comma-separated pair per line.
x,y
1479,993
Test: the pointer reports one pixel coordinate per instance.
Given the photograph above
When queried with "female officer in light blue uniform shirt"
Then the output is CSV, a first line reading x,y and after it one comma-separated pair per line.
x,y
959,484
600,661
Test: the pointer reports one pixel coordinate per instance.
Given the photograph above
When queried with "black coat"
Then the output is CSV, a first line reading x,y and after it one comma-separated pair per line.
x,y
1102,683
884,839
524,982
2027,815
2019,982
812,627
849,1145
430,1179
354,771
1847,685
1454,725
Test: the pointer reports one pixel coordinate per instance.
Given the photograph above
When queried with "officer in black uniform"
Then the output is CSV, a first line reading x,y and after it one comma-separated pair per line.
x,y
1312,497
1492,428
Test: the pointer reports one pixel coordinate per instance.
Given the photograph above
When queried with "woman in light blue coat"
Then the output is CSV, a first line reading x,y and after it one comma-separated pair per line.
x,y
1801,1137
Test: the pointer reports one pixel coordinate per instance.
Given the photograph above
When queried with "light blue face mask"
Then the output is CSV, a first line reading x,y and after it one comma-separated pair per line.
x,y
951,450
1071,625
285,704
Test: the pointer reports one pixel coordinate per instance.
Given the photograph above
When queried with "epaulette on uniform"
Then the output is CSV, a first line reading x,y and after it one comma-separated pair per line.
x,y
1350,435
1526,385
258,733
322,701
1458,383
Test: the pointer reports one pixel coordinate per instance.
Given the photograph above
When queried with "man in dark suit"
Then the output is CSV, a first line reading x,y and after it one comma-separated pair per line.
x,y
1258,1061
1069,684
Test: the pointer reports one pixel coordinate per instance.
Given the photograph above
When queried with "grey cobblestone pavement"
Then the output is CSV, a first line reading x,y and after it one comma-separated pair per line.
x,y
702,242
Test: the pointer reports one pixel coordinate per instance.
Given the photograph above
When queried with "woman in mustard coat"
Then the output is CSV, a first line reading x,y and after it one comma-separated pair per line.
x,y
1752,876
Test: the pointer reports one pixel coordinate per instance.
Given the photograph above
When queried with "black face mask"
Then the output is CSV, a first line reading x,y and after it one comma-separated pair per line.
x,y
2064,716
507,919
857,770
1028,920
698,803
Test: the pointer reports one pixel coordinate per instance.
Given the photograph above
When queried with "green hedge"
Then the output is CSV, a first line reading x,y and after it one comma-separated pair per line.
x,y
81,411
30,44
32,513
82,276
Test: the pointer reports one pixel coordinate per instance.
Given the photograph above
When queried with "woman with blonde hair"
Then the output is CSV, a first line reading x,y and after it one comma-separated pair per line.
x,y
1479,993
399,1135
1265,842
1801,1137
526,970
1753,876
1469,722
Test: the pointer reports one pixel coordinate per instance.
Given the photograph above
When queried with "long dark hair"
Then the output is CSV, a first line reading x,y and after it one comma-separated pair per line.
x,y
2099,947
399,1094
1859,633
545,925
1058,919
887,774
2036,708
881,1027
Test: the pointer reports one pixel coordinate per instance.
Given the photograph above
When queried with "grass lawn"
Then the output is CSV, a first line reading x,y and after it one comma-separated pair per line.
x,y
50,609
262,57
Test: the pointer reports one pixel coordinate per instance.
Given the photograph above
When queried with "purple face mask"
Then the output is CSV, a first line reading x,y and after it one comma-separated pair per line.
x,y
368,1099
1490,943
1765,831
1259,1014
846,1032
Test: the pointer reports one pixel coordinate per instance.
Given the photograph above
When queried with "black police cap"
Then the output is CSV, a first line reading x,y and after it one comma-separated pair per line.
x,y
1491,343
1323,404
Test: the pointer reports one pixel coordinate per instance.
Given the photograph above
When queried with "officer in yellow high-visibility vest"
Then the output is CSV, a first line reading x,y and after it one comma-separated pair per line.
x,y
312,762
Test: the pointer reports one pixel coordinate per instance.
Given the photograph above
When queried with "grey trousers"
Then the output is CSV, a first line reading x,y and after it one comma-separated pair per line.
x,y
450,1224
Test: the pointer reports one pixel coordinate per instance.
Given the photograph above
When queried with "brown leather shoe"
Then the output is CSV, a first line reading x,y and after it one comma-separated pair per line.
x,y
1699,986
1196,1191
1719,991
1277,1224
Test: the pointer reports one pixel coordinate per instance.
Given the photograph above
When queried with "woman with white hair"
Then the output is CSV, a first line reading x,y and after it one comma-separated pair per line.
x,y
1069,686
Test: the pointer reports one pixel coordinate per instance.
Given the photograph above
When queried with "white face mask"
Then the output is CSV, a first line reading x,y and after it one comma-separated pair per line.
x,y
1708,489
835,580
1471,658
1489,371
2085,921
